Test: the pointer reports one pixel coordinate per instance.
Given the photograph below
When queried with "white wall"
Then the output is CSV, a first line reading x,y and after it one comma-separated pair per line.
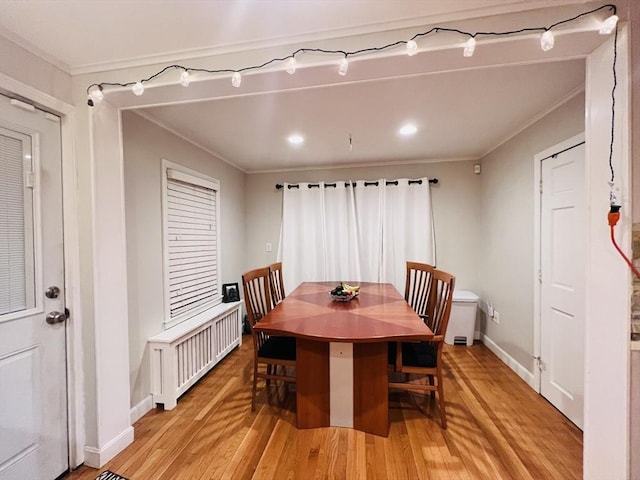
x,y
634,15
506,253
145,144
456,211
30,69
608,293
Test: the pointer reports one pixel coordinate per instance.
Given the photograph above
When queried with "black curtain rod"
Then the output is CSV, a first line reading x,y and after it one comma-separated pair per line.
x,y
355,184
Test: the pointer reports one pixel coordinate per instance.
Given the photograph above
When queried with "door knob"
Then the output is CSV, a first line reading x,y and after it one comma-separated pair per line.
x,y
52,292
55,317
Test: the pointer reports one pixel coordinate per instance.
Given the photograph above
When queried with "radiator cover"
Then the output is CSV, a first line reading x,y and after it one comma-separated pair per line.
x,y
183,354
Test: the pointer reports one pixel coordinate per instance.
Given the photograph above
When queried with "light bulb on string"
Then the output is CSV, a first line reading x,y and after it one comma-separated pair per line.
x,y
547,41
609,25
185,78
291,66
344,67
236,79
469,47
96,94
138,89
412,48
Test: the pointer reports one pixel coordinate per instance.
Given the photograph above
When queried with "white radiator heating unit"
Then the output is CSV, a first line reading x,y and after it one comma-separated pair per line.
x,y
183,354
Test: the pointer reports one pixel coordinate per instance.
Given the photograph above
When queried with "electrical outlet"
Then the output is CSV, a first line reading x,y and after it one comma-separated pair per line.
x,y
489,310
496,317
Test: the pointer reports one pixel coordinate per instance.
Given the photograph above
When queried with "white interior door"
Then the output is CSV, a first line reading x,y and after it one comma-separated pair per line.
x,y
33,408
562,260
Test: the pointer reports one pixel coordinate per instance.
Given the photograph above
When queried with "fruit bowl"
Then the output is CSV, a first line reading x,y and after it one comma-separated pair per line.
x,y
344,293
343,298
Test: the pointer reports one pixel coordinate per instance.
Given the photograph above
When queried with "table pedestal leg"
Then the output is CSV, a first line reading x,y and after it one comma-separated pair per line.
x,y
312,384
370,386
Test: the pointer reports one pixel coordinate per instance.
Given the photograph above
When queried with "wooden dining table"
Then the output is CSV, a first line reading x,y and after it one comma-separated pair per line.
x,y
341,351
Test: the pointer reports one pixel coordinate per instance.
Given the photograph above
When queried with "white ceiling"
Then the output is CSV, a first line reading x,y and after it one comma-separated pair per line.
x,y
461,113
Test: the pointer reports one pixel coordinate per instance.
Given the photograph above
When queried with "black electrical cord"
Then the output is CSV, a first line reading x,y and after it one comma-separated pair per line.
x,y
613,103
347,54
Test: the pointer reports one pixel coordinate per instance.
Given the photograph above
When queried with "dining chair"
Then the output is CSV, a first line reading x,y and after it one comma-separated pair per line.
x,y
417,286
269,351
424,359
277,284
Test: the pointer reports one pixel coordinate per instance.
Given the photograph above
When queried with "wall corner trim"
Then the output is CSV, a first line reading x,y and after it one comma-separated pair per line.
x,y
141,409
97,457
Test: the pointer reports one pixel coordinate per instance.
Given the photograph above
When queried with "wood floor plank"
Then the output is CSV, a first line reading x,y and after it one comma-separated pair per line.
x,y
376,457
356,455
498,428
303,456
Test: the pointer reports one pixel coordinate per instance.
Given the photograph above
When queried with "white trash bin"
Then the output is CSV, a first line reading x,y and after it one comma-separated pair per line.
x,y
462,321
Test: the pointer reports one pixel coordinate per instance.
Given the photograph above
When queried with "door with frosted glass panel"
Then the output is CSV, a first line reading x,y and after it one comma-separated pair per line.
x,y
33,407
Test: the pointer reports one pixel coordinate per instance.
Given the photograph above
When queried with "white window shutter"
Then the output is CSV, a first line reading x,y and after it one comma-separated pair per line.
x,y
192,244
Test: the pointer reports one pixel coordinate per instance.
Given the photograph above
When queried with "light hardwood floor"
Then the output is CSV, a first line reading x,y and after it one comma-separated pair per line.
x,y
498,428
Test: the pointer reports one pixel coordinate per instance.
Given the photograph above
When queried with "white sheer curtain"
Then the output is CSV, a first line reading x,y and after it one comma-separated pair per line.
x,y
355,233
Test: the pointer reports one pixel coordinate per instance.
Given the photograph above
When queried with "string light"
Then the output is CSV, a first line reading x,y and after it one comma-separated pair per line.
x,y
291,66
469,47
236,79
609,25
546,43
412,48
138,88
95,94
344,67
185,79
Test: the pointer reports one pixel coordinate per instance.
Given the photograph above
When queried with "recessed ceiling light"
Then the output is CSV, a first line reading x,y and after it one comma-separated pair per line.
x,y
408,129
295,139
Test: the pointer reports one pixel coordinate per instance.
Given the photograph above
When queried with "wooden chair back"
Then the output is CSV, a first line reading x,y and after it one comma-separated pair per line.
x,y
257,299
440,300
277,283
417,287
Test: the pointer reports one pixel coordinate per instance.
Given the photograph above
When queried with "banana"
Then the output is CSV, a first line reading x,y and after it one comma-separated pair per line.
x,y
350,288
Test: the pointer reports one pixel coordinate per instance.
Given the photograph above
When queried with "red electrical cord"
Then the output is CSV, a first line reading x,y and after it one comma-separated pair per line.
x,y
613,219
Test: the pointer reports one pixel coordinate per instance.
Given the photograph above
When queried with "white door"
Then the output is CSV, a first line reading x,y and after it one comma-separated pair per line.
x,y
562,259
33,407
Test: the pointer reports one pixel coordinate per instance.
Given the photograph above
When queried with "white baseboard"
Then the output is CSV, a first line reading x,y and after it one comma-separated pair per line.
x,y
511,362
141,409
96,458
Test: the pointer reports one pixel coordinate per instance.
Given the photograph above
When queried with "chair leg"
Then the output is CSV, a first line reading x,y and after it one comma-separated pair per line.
x,y
441,402
255,384
432,393
268,380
